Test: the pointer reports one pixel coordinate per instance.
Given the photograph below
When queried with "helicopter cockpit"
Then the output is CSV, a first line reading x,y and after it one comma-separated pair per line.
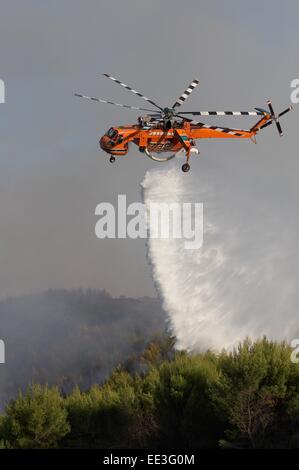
x,y
112,133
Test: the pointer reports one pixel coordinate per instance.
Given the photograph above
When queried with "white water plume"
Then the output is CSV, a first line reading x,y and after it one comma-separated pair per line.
x,y
242,282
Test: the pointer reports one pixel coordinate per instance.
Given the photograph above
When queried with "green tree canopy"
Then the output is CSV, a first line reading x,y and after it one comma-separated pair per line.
x,y
35,420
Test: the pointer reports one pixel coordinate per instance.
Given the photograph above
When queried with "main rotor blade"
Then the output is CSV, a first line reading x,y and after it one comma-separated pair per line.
x,y
223,113
192,121
226,130
111,102
285,111
132,90
186,93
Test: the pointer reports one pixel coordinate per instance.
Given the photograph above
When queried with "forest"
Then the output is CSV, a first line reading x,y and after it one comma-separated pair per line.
x,y
86,370
163,398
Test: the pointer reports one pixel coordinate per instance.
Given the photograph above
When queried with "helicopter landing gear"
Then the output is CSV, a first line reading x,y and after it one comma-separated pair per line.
x,y
112,159
186,167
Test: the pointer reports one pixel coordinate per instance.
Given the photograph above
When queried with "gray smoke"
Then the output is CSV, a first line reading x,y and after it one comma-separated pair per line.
x,y
72,338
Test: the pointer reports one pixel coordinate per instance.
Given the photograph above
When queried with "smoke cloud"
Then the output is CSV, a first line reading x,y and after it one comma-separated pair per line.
x,y
71,338
243,281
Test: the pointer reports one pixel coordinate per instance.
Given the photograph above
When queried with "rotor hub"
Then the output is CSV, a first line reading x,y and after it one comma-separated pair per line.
x,y
168,113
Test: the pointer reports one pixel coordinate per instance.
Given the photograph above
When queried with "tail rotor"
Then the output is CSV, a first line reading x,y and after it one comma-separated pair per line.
x,y
275,117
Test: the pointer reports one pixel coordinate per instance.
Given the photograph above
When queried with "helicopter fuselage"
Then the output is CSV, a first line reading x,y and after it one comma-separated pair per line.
x,y
155,138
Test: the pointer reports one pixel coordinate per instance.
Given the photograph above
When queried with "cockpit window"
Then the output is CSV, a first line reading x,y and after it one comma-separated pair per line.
x,y
112,133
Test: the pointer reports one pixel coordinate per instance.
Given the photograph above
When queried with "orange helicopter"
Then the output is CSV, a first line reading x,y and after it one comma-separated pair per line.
x,y
167,129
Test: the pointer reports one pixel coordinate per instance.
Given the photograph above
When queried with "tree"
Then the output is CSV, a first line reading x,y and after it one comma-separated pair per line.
x,y
253,413
257,383
81,410
35,420
184,413
104,416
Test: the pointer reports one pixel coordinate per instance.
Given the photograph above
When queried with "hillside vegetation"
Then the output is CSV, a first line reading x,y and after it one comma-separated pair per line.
x,y
248,398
